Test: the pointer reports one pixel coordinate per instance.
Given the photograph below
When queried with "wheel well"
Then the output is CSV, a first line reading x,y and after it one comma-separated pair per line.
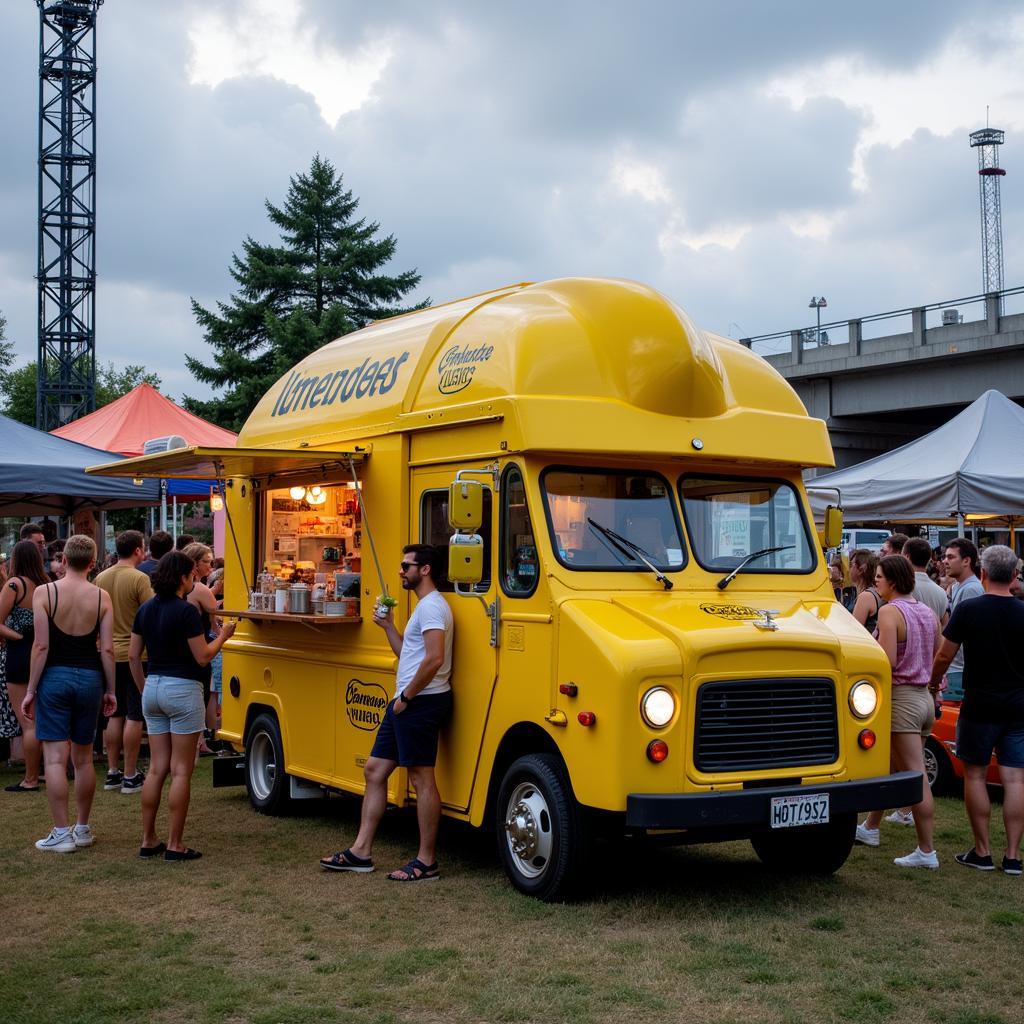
x,y
523,738
252,713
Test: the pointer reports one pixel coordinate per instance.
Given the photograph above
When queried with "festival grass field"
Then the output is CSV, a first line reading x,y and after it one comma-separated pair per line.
x,y
256,932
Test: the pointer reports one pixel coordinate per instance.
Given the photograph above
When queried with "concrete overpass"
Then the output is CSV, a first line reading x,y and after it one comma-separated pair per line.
x,y
877,393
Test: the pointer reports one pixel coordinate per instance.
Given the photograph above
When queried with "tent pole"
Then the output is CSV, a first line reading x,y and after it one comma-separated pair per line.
x,y
960,523
174,519
163,505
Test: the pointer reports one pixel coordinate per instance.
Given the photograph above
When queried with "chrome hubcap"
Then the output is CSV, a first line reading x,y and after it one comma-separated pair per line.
x,y
262,765
931,766
528,830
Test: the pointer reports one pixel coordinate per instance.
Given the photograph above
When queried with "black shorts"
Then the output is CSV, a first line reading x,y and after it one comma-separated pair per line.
x,y
410,737
129,700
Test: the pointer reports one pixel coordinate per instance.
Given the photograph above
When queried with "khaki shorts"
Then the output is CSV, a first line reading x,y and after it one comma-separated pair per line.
x,y
913,709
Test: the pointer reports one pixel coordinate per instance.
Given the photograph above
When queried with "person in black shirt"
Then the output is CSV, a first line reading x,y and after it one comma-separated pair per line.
x,y
171,631
992,713
159,544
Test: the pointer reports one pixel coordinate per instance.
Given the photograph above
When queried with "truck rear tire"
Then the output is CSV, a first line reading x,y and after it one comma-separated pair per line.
x,y
265,779
541,829
810,850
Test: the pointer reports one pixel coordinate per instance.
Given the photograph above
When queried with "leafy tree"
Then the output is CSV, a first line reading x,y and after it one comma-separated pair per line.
x,y
322,282
6,350
18,388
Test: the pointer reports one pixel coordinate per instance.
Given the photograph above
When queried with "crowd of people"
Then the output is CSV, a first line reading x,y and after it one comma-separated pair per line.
x,y
85,650
947,621
139,642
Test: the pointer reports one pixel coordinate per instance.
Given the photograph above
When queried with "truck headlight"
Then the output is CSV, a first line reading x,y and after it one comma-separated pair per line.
x,y
657,707
863,699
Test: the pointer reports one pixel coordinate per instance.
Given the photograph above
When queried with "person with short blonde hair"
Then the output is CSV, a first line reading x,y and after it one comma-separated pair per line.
x,y
71,680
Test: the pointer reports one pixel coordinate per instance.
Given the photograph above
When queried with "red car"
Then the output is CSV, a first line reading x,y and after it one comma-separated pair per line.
x,y
943,768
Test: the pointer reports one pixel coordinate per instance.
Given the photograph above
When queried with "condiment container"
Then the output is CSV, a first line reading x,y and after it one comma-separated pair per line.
x,y
299,599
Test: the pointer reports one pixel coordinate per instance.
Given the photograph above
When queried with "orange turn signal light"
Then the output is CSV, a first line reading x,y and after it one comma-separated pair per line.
x,y
866,739
586,718
657,751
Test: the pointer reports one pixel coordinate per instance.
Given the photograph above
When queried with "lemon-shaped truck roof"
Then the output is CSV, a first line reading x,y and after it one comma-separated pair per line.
x,y
581,365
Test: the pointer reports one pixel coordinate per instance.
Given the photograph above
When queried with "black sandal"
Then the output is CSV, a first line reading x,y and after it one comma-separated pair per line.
x,y
179,855
427,872
346,860
145,852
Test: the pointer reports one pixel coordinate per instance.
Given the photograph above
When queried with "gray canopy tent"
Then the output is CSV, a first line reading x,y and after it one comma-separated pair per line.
x,y
972,465
42,474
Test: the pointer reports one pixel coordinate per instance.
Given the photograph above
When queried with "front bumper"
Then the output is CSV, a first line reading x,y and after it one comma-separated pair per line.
x,y
751,807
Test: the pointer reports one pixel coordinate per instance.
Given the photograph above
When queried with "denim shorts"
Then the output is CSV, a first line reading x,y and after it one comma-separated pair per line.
x,y
975,742
215,676
68,704
410,737
954,686
173,705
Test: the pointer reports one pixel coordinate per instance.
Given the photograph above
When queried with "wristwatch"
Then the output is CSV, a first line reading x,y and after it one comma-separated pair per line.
x,y
406,700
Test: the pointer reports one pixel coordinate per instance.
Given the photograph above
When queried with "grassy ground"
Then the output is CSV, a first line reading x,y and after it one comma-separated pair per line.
x,y
255,932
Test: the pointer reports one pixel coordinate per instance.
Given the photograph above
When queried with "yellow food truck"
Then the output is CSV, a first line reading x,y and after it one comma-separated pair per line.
x,y
646,640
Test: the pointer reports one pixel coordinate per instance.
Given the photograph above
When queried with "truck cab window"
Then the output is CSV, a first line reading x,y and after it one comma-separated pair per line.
x,y
434,529
519,567
586,506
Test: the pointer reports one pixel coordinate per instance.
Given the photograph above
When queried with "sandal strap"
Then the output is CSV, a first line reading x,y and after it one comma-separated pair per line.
x,y
415,865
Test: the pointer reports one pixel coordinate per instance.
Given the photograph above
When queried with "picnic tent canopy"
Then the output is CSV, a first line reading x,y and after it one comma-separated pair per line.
x,y
42,474
972,465
125,425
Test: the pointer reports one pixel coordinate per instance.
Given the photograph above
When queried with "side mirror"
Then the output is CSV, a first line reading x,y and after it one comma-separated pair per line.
x,y
832,533
466,505
466,557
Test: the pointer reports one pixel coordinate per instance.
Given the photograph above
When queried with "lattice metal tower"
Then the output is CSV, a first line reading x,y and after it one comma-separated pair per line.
x,y
987,141
67,211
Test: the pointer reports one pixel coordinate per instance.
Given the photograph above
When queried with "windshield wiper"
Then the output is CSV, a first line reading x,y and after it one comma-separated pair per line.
x,y
633,550
725,581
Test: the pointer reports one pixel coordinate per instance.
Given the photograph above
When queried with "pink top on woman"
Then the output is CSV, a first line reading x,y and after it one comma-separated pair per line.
x,y
914,655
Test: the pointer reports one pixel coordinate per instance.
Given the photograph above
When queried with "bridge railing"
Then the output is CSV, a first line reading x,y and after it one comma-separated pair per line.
x,y
913,322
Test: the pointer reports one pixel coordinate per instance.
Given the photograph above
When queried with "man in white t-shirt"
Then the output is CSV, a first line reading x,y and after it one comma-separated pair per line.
x,y
408,735
962,563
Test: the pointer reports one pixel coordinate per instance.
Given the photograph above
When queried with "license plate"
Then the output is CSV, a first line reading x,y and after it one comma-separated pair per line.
x,y
793,811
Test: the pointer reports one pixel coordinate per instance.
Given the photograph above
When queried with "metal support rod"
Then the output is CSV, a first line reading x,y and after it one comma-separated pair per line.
x,y
366,526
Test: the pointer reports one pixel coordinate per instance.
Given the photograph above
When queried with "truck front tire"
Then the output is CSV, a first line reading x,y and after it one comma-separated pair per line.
x,y
810,850
540,829
265,779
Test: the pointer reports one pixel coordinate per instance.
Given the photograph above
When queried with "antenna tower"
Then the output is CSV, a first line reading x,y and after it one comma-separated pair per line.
x,y
66,278
987,141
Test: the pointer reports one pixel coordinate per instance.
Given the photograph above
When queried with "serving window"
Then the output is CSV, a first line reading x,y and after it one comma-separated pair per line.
x,y
310,529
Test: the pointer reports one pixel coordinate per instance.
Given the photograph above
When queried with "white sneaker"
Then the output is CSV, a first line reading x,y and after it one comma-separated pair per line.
x,y
917,859
58,843
900,818
867,836
82,835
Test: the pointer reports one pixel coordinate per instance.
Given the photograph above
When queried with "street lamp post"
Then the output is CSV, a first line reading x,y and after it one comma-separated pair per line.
x,y
817,305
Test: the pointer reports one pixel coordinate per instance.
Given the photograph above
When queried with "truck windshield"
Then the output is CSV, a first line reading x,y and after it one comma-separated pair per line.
x,y
728,519
636,506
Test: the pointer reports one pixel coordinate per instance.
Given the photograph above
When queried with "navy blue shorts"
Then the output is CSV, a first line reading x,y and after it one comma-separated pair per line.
x,y
129,700
68,704
410,737
975,742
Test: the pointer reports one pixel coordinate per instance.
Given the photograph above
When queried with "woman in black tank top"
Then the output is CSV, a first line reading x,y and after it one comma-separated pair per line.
x,y
71,680
17,625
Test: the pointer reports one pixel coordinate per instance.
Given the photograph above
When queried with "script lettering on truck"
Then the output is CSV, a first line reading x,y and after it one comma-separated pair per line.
x,y
370,377
457,366
365,704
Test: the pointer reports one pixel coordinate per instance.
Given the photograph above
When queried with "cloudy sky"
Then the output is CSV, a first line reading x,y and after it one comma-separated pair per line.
x,y
739,156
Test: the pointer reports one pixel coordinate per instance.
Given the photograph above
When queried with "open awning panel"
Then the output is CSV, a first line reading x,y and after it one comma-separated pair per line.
x,y
201,463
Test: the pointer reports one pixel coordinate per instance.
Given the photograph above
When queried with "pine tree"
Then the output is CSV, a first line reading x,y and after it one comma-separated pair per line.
x,y
321,283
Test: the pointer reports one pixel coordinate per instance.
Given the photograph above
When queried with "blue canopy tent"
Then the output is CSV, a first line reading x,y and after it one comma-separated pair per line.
x,y
42,474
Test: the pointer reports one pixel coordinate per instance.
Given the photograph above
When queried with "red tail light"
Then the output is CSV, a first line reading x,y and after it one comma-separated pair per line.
x,y
586,718
866,739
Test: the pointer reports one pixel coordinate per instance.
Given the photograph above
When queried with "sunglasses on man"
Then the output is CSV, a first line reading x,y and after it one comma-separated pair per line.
x,y
406,566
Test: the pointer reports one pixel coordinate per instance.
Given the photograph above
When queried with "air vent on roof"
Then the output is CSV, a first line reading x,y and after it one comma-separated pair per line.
x,y
163,444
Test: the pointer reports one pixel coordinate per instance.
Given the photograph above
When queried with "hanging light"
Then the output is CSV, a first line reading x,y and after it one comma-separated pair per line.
x,y
318,498
298,493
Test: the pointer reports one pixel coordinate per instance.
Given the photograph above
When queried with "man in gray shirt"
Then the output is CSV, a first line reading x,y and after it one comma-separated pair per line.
x,y
919,554
961,560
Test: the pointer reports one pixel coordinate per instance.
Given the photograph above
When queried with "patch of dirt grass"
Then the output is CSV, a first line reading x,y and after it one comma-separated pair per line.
x,y
256,933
